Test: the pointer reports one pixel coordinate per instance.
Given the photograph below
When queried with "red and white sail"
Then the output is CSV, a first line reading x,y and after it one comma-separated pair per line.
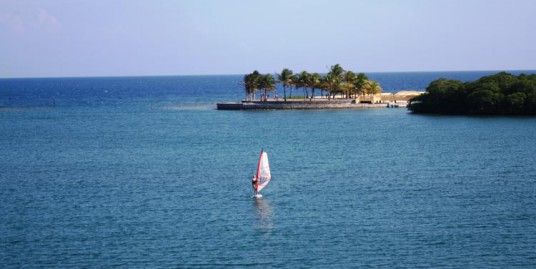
x,y
263,172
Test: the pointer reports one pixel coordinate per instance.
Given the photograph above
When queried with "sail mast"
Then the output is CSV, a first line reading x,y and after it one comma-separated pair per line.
x,y
258,174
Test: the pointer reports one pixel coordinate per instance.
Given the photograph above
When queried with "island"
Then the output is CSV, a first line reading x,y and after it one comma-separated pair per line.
x,y
338,89
499,94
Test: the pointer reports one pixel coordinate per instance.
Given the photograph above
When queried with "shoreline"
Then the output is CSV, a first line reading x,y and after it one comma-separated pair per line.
x,y
380,100
306,105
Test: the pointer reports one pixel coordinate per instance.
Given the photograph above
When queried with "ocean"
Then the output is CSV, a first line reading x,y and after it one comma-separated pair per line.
x,y
138,172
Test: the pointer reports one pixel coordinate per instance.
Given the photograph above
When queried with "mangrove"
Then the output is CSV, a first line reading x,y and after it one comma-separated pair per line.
x,y
499,94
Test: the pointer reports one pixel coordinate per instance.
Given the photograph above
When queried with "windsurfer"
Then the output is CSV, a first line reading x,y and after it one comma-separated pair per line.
x,y
254,183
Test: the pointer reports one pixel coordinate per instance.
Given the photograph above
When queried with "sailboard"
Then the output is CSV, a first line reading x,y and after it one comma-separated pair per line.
x,y
263,173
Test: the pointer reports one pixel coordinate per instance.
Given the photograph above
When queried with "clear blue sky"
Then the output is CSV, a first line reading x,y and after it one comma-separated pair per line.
x,y
55,38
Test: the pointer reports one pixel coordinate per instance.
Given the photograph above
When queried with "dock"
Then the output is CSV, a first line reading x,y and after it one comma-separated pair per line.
x,y
304,105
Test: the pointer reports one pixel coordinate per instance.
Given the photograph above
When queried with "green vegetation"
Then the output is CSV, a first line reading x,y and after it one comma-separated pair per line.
x,y
499,94
337,82
255,81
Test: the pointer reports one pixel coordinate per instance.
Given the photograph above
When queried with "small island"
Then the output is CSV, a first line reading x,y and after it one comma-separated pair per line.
x,y
499,94
338,89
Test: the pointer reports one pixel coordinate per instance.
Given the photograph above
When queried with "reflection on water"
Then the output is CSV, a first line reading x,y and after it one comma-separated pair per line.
x,y
264,220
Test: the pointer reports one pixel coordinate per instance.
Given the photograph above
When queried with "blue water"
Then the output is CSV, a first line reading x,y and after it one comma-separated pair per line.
x,y
143,172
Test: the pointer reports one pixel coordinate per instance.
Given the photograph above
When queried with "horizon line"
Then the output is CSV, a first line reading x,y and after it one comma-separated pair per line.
x,y
200,75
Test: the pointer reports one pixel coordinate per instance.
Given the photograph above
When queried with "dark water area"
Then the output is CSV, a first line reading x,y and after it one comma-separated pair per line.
x,y
184,89
117,90
144,172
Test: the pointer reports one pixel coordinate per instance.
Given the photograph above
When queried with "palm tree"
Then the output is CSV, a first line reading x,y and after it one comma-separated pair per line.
x,y
372,87
361,80
286,79
336,81
349,82
251,84
323,85
334,78
314,80
294,81
332,84
336,70
303,80
267,83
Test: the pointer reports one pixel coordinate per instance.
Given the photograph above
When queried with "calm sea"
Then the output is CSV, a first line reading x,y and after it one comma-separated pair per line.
x,y
143,172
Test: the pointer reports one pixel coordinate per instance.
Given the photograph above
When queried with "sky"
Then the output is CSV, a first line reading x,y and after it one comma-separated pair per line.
x,y
65,38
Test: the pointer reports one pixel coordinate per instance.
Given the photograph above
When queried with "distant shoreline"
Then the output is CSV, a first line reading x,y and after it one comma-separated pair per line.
x,y
381,100
98,76
305,105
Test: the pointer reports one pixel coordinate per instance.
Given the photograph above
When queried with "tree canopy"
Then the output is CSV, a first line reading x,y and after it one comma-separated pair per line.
x,y
336,81
499,94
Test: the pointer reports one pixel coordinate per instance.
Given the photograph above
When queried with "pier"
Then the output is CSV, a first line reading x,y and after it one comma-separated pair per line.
x,y
305,104
382,100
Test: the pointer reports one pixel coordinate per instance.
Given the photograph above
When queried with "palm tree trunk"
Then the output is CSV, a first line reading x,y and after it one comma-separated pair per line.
x,y
290,94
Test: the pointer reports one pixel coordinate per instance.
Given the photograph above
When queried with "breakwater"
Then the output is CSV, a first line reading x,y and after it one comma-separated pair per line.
x,y
303,104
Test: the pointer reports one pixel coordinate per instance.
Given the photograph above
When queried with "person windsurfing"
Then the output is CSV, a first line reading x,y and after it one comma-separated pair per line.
x,y
261,178
254,181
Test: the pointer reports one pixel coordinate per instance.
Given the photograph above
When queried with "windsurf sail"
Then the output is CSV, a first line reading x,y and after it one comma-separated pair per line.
x,y
263,172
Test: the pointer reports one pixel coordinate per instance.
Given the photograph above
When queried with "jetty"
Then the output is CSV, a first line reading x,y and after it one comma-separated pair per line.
x,y
384,100
293,104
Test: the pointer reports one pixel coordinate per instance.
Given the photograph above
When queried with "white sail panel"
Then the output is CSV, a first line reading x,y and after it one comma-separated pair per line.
x,y
263,171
